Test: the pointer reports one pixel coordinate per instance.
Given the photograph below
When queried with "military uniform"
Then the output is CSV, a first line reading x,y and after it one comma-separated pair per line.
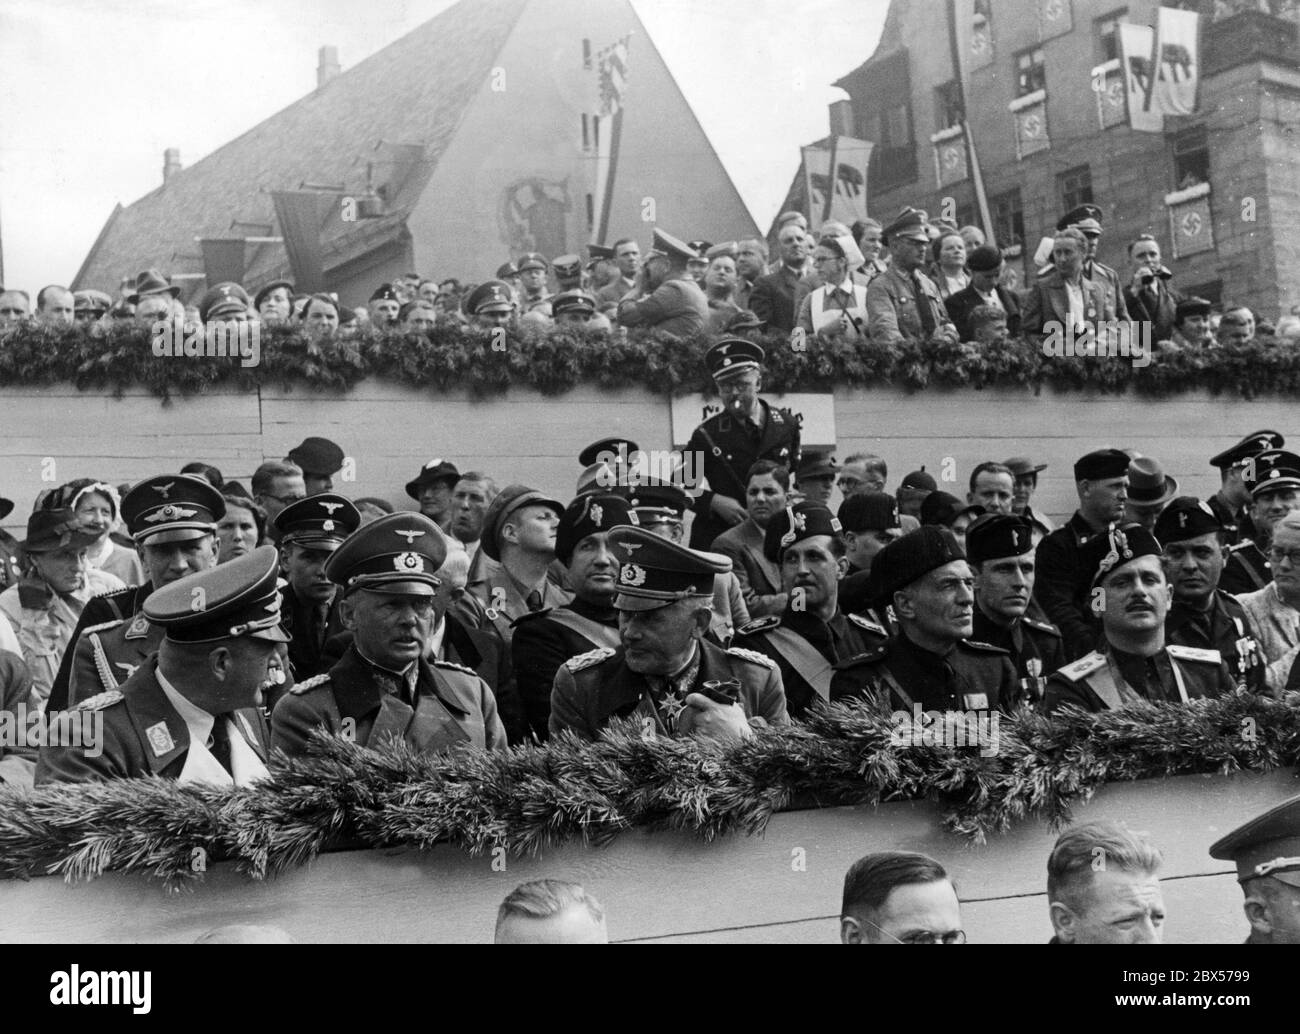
x,y
545,640
105,612
1247,569
1267,846
311,627
972,676
1109,679
1035,648
729,448
107,655
1225,627
1061,586
1237,525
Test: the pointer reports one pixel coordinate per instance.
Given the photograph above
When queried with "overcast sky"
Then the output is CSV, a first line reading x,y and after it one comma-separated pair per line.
x,y
93,91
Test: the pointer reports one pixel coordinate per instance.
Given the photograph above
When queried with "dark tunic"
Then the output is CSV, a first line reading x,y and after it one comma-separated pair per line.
x,y
971,676
1062,586
1225,627
1088,681
1247,569
1035,647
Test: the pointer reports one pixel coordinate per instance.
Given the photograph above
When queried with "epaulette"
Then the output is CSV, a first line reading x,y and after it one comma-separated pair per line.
x,y
1194,653
752,655
104,627
455,667
112,593
869,625
986,647
299,688
1042,626
589,659
1241,545
99,701
864,658
760,625
1085,665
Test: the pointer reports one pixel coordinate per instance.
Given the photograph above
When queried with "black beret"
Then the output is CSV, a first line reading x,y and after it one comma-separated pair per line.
x,y
910,557
868,511
984,259
794,524
589,515
384,293
993,536
1186,518
1102,465
1106,553
317,456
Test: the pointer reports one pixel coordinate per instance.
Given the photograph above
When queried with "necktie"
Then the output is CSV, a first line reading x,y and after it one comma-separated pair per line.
x,y
922,306
219,745
321,624
534,601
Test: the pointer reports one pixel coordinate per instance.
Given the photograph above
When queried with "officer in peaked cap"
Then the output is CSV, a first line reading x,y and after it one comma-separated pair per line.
x,y
1000,550
383,688
1087,219
601,268
812,634
665,674
1266,851
924,577
903,304
89,306
1231,503
665,296
533,270
568,272
576,308
1273,478
384,305
607,464
432,489
310,530
173,520
192,711
491,304
698,265
1133,662
727,444
1201,614
225,302
320,459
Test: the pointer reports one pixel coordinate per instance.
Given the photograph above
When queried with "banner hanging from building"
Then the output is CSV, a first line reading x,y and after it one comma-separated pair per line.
x,y
950,165
301,215
979,53
1191,226
847,190
1055,18
1030,114
1108,85
1179,76
1137,47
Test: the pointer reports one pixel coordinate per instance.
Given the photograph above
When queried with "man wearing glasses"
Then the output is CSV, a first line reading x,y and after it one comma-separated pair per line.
x,y
1275,609
902,303
897,897
275,486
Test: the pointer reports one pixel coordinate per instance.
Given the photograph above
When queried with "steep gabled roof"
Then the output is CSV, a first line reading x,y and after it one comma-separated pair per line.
x,y
891,39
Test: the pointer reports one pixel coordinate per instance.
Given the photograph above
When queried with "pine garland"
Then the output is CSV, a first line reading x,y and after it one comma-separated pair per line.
x,y
532,798
557,360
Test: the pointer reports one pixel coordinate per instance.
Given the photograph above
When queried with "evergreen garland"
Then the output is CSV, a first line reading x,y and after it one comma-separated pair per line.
x,y
530,798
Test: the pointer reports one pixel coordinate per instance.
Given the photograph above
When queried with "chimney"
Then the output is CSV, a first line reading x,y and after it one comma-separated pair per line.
x,y
328,67
842,118
171,162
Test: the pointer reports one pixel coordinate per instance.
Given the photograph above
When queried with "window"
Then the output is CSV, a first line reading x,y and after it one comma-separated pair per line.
x,y
898,127
1008,218
1031,72
947,105
1075,186
1191,158
1108,36
893,162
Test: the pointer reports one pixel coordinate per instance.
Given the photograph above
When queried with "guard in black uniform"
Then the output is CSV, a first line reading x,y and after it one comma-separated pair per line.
x,y
746,431
1231,503
812,635
1000,549
931,662
1274,492
1203,615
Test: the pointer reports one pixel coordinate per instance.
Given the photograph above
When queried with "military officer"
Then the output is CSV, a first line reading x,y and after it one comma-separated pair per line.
x,y
1133,663
491,305
568,273
607,466
812,634
383,688
903,304
1231,503
190,713
383,307
1274,481
1266,851
870,521
173,520
310,530
932,662
1201,614
1000,550
320,459
577,308
533,271
665,674
727,444
545,640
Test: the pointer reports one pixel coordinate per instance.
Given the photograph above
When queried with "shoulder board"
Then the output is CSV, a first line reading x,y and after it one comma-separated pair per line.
x,y
114,593
1086,665
1241,545
99,701
869,625
316,680
752,655
589,659
869,657
1194,653
1041,626
986,647
453,666
104,627
759,625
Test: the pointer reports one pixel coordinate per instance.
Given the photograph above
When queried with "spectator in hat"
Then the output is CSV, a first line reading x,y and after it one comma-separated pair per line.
x,y
1116,902
903,305
1025,473
767,490
666,298
913,491
985,289
577,308
275,486
627,258
226,302
383,307
1148,297
719,283
550,912
1065,298
751,263
568,273
491,305
1064,578
320,459
1201,615
15,307
1266,850
869,521
1236,327
948,264
43,608
432,488
744,324
1149,491
98,508
320,316
274,302
899,897
837,309
1231,503
943,510
10,571
89,307
1132,662
1192,324
773,294
1274,480
815,477
55,306
697,266
1274,610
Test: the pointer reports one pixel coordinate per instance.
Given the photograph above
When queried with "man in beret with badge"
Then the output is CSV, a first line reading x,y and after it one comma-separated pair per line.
x,y
1266,851
383,307
812,634
1231,503
320,459
666,297
173,521
1132,662
533,271
1273,478
903,304
383,688
931,663
192,711
1062,580
729,443
544,640
310,530
665,674
869,521
432,489
491,305
1000,550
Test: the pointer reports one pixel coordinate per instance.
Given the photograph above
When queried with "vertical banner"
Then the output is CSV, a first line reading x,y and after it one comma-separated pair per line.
x,y
846,191
1137,45
1108,85
223,259
301,214
1191,226
1030,113
973,21
950,165
611,72
1179,76
1055,18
